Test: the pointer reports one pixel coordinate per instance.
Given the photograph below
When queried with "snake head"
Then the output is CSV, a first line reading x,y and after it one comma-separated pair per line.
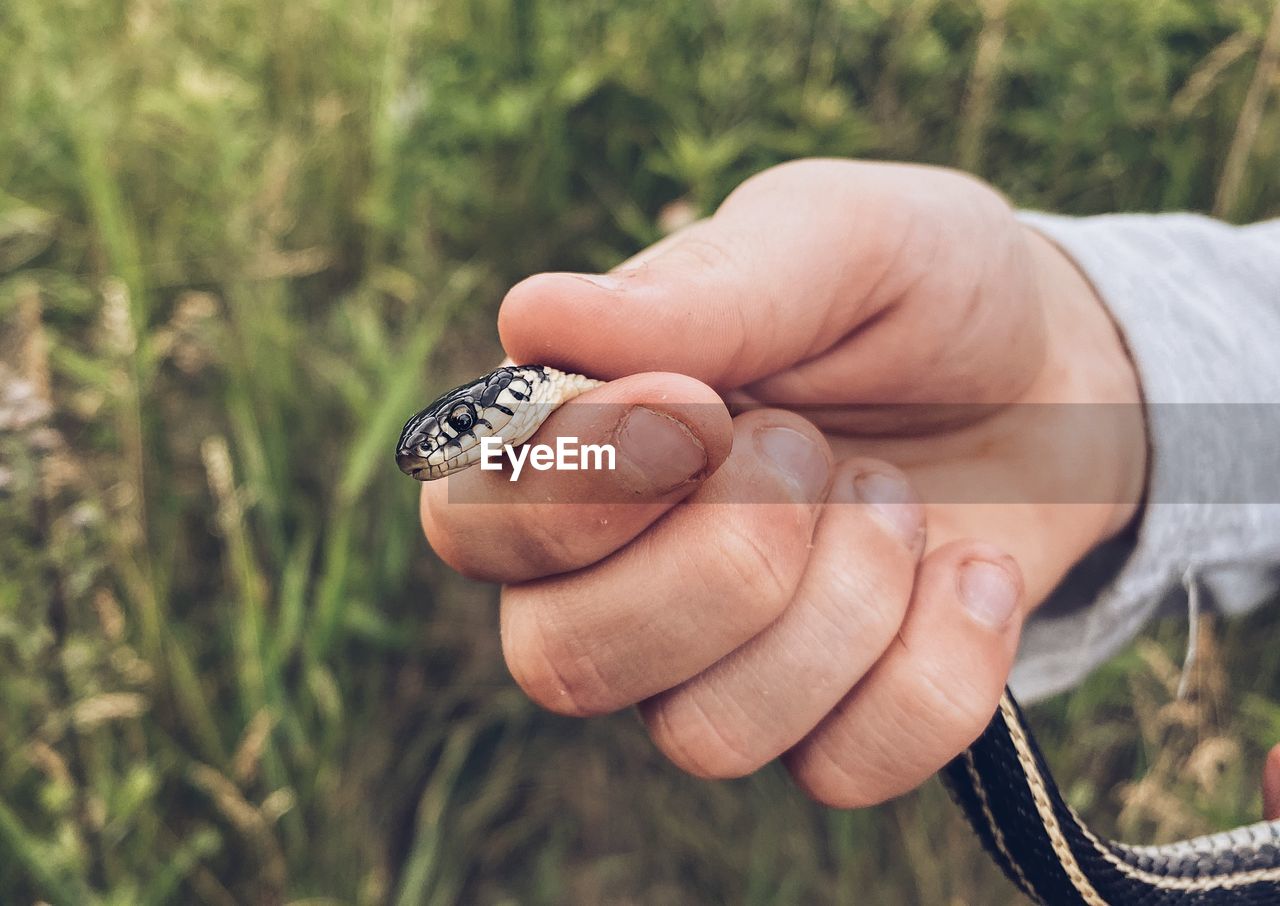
x,y
446,435
508,404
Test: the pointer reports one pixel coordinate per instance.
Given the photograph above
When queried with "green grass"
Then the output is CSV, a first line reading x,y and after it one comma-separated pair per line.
x,y
239,241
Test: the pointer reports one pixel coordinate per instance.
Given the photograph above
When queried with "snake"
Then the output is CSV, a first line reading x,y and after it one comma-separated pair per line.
x,y
1001,782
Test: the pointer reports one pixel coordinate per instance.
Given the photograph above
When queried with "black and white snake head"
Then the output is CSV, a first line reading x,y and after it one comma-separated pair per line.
x,y
508,404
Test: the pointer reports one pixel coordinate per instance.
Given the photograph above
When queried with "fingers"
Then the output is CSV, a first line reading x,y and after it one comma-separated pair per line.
x,y
746,625
933,691
796,258
1271,785
669,433
760,700
705,578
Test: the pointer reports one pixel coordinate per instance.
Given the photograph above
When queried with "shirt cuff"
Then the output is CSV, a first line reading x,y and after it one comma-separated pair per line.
x,y
1198,305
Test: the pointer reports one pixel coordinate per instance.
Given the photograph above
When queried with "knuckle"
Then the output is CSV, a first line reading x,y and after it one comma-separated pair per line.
x,y
470,560
699,741
828,781
705,249
778,176
553,672
847,767
465,555
553,551
986,199
957,707
466,546
868,604
528,548
766,575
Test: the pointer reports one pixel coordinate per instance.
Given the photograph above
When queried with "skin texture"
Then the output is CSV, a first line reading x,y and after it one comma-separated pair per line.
x,y
862,626
1271,785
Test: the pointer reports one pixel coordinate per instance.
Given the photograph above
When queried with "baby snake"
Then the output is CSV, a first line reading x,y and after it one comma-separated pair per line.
x,y
1001,781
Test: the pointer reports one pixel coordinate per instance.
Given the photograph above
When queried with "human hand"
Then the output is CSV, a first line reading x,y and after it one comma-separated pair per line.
x,y
927,337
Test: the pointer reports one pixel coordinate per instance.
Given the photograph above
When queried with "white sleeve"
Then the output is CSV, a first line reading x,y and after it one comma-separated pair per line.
x,y
1198,303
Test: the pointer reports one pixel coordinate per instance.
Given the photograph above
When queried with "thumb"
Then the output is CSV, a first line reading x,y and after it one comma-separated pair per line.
x,y
796,258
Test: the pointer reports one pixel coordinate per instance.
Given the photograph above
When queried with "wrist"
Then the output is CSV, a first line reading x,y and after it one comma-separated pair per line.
x,y
1089,363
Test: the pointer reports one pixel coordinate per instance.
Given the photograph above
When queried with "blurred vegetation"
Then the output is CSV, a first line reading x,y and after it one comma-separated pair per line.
x,y
240,240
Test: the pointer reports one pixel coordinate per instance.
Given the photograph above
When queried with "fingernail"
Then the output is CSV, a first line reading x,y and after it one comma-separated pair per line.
x,y
894,503
604,281
656,452
988,592
798,458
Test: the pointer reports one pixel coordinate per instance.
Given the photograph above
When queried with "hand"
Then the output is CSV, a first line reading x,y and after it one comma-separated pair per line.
x,y
1271,785
864,629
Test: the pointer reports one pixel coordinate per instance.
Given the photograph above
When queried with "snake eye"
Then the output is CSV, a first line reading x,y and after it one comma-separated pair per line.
x,y
461,419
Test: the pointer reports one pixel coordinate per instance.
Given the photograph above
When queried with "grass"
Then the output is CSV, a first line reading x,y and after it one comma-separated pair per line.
x,y
239,241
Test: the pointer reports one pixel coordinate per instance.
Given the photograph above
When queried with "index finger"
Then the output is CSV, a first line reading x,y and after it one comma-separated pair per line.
x,y
668,433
